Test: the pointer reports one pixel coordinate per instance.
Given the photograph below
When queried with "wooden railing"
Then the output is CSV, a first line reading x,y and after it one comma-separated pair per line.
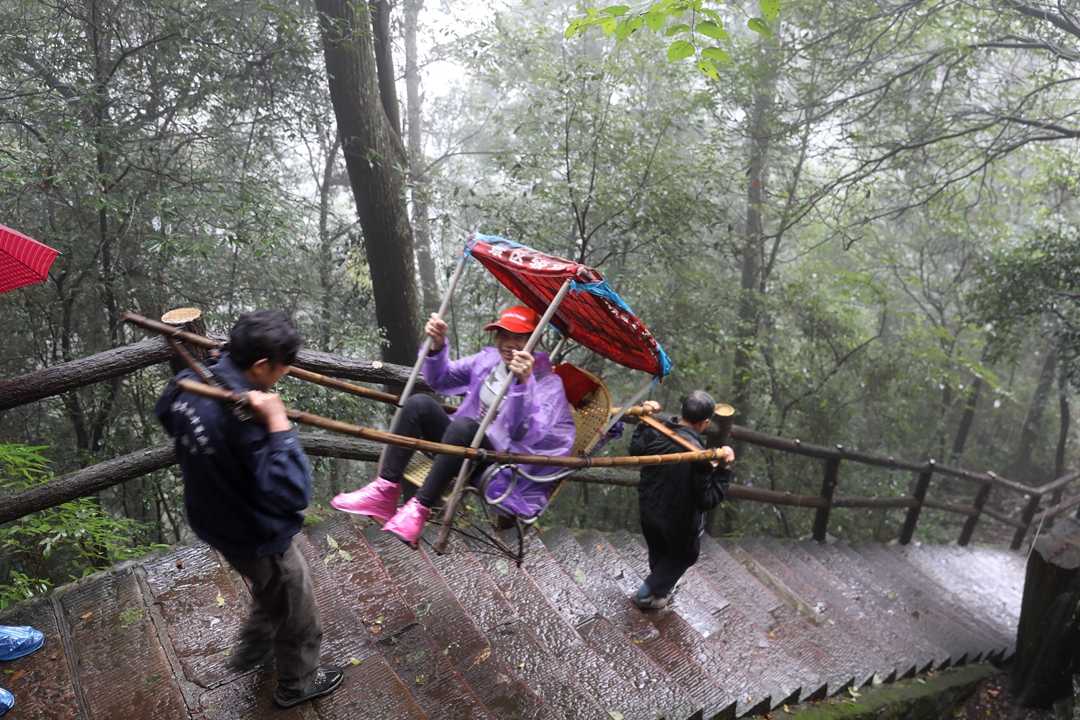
x,y
121,361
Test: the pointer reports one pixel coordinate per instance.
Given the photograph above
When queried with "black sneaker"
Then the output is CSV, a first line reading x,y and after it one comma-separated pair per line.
x,y
326,681
245,657
650,602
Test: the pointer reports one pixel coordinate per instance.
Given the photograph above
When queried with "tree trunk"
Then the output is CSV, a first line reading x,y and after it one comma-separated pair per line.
x,y
966,421
384,62
1063,435
1029,433
752,255
1048,635
414,103
375,159
326,248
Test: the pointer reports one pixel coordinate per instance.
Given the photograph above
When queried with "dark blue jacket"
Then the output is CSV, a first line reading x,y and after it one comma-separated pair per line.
x,y
676,498
245,489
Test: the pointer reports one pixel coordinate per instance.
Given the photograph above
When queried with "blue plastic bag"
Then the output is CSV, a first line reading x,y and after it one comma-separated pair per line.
x,y
7,701
16,641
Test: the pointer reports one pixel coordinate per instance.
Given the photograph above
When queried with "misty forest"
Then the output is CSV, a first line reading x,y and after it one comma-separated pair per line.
x,y
854,222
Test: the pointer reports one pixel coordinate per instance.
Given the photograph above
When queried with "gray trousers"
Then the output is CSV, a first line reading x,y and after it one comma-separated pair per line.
x,y
284,614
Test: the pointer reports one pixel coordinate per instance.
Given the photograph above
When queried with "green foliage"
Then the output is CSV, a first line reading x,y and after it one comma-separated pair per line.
x,y
67,541
1034,285
693,19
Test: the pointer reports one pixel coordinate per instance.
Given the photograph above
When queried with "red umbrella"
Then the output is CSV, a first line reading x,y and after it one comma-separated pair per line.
x,y
23,261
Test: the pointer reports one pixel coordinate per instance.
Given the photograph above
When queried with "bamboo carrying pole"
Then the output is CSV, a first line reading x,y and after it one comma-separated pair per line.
x,y
204,342
481,432
440,448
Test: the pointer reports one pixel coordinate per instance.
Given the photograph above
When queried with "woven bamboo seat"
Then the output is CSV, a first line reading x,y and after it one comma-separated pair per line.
x,y
590,419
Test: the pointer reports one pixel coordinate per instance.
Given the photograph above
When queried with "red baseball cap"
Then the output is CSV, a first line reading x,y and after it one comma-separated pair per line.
x,y
517,319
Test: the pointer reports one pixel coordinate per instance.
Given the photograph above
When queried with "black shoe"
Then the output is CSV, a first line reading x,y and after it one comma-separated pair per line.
x,y
326,681
245,657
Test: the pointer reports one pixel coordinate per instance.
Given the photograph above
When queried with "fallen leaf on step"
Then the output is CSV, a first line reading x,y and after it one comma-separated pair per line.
x,y
484,655
86,615
220,600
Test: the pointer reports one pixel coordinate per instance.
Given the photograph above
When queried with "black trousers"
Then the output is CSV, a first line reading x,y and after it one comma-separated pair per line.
x,y
423,418
284,614
670,555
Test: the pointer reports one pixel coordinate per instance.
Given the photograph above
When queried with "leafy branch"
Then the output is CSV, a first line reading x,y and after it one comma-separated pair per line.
x,y
693,39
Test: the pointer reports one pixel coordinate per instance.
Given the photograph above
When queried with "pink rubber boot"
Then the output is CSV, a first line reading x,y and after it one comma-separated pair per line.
x,y
408,524
378,500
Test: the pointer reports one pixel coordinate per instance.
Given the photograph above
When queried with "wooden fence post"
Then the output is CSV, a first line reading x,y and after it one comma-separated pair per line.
x,y
828,486
191,320
921,485
973,520
1025,518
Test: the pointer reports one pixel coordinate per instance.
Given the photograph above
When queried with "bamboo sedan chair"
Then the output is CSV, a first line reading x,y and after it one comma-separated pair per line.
x,y
575,300
590,404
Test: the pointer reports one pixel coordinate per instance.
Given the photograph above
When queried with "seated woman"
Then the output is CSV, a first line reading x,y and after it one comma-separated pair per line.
x,y
533,418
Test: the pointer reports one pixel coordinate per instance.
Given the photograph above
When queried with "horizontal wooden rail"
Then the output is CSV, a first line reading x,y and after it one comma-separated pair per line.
x,y
86,371
108,473
1055,484
323,368
950,507
1002,517
797,447
1056,510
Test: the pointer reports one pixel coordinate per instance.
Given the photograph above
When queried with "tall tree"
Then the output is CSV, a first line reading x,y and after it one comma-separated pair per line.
x,y
417,158
376,160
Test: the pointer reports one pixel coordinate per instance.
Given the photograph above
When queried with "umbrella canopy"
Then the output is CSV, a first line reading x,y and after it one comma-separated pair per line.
x,y
23,261
591,314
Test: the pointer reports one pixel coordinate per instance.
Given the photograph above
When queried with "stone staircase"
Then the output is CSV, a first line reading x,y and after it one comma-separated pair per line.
x,y
757,623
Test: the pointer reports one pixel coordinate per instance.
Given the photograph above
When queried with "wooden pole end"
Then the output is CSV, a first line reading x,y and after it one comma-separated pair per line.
x,y
181,316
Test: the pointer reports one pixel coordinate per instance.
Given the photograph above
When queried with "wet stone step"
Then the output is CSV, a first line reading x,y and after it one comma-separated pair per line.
x,y
568,601
610,600
702,616
884,634
666,697
753,647
370,691
344,636
652,684
739,659
706,693
981,635
544,673
789,631
917,601
374,599
997,591
204,607
475,588
40,681
430,678
836,663
876,601
427,674
122,667
862,646
492,679
556,584
248,696
527,599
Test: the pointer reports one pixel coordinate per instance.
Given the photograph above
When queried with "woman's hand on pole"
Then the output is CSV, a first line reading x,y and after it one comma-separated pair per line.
x,y
436,330
522,366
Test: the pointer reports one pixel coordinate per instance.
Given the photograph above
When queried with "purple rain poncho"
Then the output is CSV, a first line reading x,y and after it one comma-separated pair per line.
x,y
534,419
